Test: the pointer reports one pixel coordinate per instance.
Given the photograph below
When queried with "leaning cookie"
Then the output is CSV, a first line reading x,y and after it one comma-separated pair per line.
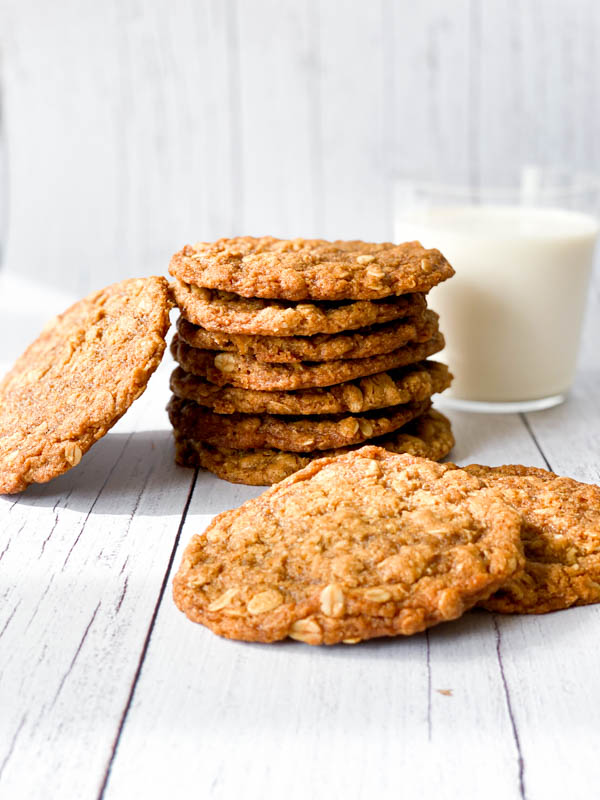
x,y
405,385
561,538
229,313
78,378
247,373
299,434
429,436
310,269
362,545
362,343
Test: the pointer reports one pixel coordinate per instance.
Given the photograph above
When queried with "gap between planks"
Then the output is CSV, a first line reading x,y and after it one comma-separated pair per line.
x,y
148,637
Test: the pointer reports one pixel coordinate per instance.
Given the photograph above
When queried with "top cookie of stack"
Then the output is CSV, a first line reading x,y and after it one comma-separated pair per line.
x,y
291,349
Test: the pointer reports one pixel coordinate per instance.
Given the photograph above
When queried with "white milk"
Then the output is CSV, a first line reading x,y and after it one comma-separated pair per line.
x,y
512,313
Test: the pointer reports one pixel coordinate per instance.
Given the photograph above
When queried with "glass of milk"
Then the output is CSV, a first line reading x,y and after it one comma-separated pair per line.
x,y
512,314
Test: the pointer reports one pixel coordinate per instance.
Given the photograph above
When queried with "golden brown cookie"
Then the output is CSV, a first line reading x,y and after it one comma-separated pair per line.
x,y
429,436
78,378
363,343
228,312
247,373
404,385
366,544
310,269
299,434
561,538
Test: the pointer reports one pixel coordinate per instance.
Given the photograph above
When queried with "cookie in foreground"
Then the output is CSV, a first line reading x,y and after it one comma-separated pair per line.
x,y
362,545
561,539
78,378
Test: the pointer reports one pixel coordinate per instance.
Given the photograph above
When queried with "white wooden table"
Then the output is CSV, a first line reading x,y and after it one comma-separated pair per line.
x,y
107,690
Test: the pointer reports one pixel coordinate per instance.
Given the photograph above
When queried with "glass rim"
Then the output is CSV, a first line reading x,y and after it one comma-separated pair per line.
x,y
578,182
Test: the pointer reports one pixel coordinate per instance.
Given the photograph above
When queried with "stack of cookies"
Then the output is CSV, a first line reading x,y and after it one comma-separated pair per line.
x,y
292,350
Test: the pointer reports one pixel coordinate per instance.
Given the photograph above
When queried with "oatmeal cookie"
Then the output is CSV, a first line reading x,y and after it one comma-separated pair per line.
x,y
404,385
561,538
299,434
230,313
361,545
78,378
310,269
362,343
429,436
247,373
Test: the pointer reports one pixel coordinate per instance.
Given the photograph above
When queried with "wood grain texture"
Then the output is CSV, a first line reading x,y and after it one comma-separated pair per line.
x,y
432,86
352,117
277,66
107,690
133,127
362,721
81,565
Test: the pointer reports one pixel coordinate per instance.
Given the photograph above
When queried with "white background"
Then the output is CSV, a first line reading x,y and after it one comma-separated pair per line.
x,y
135,126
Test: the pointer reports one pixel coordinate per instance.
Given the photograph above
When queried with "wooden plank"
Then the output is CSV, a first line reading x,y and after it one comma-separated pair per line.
x,y
277,66
508,65
549,662
281,712
289,720
431,92
352,115
82,563
569,435
140,121
60,79
182,64
559,80
490,438
546,664
568,698
534,87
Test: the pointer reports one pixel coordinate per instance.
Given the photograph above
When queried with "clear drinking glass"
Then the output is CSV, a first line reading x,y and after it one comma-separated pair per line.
x,y
523,254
